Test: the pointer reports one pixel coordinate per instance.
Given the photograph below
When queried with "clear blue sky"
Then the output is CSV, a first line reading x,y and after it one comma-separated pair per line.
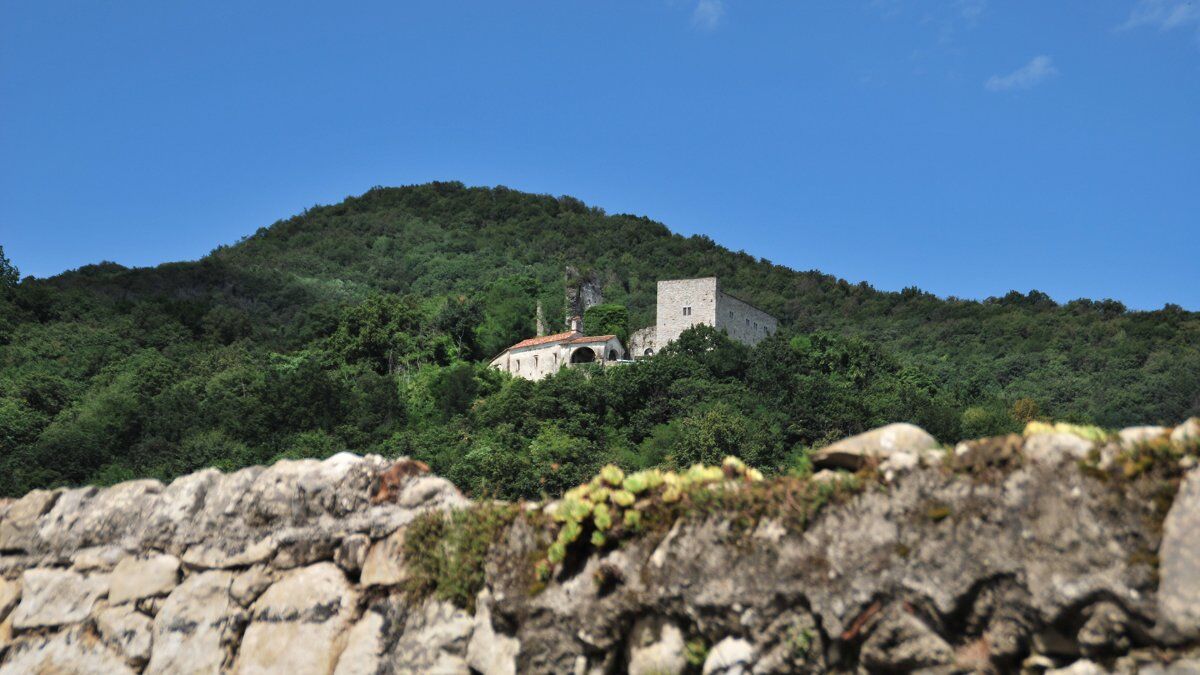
x,y
967,147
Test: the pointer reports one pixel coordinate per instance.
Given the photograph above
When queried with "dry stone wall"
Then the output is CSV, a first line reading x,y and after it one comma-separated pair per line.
x,y
1036,554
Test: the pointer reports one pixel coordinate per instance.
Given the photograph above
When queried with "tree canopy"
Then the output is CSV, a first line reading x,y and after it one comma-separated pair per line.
x,y
365,326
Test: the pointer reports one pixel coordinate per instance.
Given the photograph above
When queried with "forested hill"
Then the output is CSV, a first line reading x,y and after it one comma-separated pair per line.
x,y
362,325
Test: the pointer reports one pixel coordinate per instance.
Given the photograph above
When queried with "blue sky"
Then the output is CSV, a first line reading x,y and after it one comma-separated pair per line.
x,y
967,147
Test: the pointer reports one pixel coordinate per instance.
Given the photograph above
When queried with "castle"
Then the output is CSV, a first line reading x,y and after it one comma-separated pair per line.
x,y
681,304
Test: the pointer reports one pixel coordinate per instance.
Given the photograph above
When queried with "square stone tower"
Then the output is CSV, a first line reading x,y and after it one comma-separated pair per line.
x,y
683,303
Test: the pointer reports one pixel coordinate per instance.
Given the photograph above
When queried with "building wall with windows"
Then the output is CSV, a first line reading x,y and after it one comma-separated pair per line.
x,y
540,357
742,321
683,303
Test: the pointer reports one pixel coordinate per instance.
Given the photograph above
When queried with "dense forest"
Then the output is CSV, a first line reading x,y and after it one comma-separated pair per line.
x,y
366,326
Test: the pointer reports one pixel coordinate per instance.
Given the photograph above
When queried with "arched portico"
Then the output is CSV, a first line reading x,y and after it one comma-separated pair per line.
x,y
583,355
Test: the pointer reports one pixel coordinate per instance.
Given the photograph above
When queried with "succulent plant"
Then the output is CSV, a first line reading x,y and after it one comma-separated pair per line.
x,y
601,517
611,500
622,498
612,474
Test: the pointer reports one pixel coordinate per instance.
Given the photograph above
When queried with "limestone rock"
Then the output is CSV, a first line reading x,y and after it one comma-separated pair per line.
x,y
434,640
127,631
195,630
19,525
10,595
97,558
230,554
1081,667
656,648
352,552
1179,562
364,646
731,656
249,585
489,652
1105,631
1132,437
137,578
298,624
55,529
6,635
75,651
54,597
384,563
901,643
878,445
1053,449
1187,435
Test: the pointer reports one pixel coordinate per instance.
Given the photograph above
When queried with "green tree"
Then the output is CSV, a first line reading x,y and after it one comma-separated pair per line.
x,y
9,275
607,319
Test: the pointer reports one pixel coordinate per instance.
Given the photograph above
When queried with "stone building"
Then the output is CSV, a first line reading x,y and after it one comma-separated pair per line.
x,y
683,303
541,356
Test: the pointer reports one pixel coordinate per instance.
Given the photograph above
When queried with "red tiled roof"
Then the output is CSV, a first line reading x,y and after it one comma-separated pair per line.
x,y
570,337
592,338
534,341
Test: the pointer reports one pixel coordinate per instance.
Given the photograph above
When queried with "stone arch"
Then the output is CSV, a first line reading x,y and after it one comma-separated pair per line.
x,y
612,355
649,351
583,355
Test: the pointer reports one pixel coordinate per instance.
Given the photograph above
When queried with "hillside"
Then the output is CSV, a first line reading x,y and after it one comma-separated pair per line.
x,y
361,325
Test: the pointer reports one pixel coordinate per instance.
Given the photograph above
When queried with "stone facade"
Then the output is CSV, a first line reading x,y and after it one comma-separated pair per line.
x,y
683,303
540,357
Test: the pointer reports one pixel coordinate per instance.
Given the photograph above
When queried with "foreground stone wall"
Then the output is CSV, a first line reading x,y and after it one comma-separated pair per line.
x,y
997,556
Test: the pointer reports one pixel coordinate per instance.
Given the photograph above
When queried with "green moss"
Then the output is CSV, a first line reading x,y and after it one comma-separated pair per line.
x,y
695,651
445,554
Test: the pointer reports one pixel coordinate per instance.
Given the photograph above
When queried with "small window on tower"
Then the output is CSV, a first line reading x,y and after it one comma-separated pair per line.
x,y
687,311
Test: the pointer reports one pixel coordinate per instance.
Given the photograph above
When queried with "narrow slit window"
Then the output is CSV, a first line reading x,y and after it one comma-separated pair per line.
x,y
687,311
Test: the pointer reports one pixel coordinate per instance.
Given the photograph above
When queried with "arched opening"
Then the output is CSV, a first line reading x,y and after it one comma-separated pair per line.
x,y
648,352
612,355
583,355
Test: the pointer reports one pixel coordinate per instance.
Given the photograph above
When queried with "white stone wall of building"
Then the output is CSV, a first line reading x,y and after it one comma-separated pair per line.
x,y
539,361
742,321
642,342
683,303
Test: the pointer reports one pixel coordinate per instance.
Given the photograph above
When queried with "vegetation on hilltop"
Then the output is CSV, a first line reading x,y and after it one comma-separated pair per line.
x,y
365,326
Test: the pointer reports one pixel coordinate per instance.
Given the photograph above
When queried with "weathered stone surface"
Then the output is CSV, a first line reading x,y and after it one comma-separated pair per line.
x,y
249,585
10,595
364,646
434,641
1179,563
1131,437
97,558
656,647
902,643
1053,449
298,626
1017,549
352,552
19,525
196,628
137,578
878,445
126,631
54,597
75,651
731,656
1187,435
384,564
489,652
